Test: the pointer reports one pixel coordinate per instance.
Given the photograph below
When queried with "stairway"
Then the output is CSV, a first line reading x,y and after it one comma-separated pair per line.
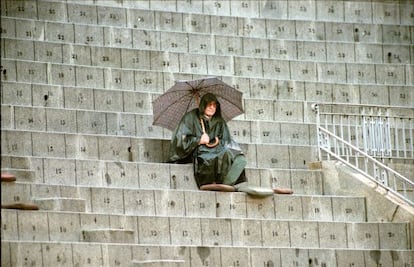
x,y
77,83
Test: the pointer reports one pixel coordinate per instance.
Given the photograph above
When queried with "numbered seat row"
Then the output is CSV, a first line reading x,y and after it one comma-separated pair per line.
x,y
203,44
121,107
241,17
255,129
160,230
143,86
285,102
201,65
273,131
162,201
52,253
122,174
115,148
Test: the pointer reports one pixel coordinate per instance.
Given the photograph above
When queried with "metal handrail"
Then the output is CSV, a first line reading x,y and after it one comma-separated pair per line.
x,y
342,150
382,174
373,129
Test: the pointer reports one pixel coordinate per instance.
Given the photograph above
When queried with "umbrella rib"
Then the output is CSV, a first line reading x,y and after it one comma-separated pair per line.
x,y
188,105
180,90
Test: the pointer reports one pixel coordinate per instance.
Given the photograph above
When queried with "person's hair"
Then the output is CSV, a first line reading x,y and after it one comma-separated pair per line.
x,y
208,98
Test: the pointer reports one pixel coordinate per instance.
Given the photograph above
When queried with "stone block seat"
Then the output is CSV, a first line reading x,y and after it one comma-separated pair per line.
x,y
84,175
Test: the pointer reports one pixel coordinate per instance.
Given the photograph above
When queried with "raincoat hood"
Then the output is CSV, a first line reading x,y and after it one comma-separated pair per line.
x,y
208,98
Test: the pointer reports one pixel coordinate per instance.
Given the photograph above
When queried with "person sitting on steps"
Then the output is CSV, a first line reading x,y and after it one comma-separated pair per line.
x,y
203,138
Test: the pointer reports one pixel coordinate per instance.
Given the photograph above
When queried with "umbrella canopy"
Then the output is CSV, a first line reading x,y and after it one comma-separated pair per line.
x,y
184,96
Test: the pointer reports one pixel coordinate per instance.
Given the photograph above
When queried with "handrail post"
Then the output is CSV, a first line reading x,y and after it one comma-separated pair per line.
x,y
315,108
376,126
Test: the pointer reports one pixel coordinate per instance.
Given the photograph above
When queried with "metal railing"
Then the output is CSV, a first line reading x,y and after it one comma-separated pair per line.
x,y
363,137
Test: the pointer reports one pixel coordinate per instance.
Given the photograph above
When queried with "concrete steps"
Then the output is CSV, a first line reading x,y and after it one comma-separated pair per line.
x,y
187,203
108,236
96,254
78,80
16,194
66,12
159,263
107,147
61,204
199,231
8,177
270,131
23,174
266,49
150,175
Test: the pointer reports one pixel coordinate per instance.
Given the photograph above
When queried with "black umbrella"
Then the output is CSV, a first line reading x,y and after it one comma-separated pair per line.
x,y
184,96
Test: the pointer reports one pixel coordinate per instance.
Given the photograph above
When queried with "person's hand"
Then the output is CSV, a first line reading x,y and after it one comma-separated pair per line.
x,y
205,139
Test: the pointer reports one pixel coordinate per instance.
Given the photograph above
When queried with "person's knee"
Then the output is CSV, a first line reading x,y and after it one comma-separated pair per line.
x,y
241,160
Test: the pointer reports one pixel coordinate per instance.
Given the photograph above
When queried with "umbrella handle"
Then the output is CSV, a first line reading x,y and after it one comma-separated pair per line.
x,y
216,142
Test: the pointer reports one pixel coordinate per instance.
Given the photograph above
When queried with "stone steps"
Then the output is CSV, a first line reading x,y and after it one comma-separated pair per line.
x,y
270,127
166,16
150,175
154,82
159,263
78,80
259,68
61,204
140,125
186,203
246,131
108,236
14,200
24,175
172,230
106,147
8,177
353,52
98,254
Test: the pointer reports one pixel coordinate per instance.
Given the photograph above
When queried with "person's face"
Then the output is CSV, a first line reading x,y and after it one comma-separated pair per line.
x,y
210,109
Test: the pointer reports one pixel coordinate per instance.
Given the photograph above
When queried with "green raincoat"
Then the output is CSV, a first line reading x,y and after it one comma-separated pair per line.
x,y
222,164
